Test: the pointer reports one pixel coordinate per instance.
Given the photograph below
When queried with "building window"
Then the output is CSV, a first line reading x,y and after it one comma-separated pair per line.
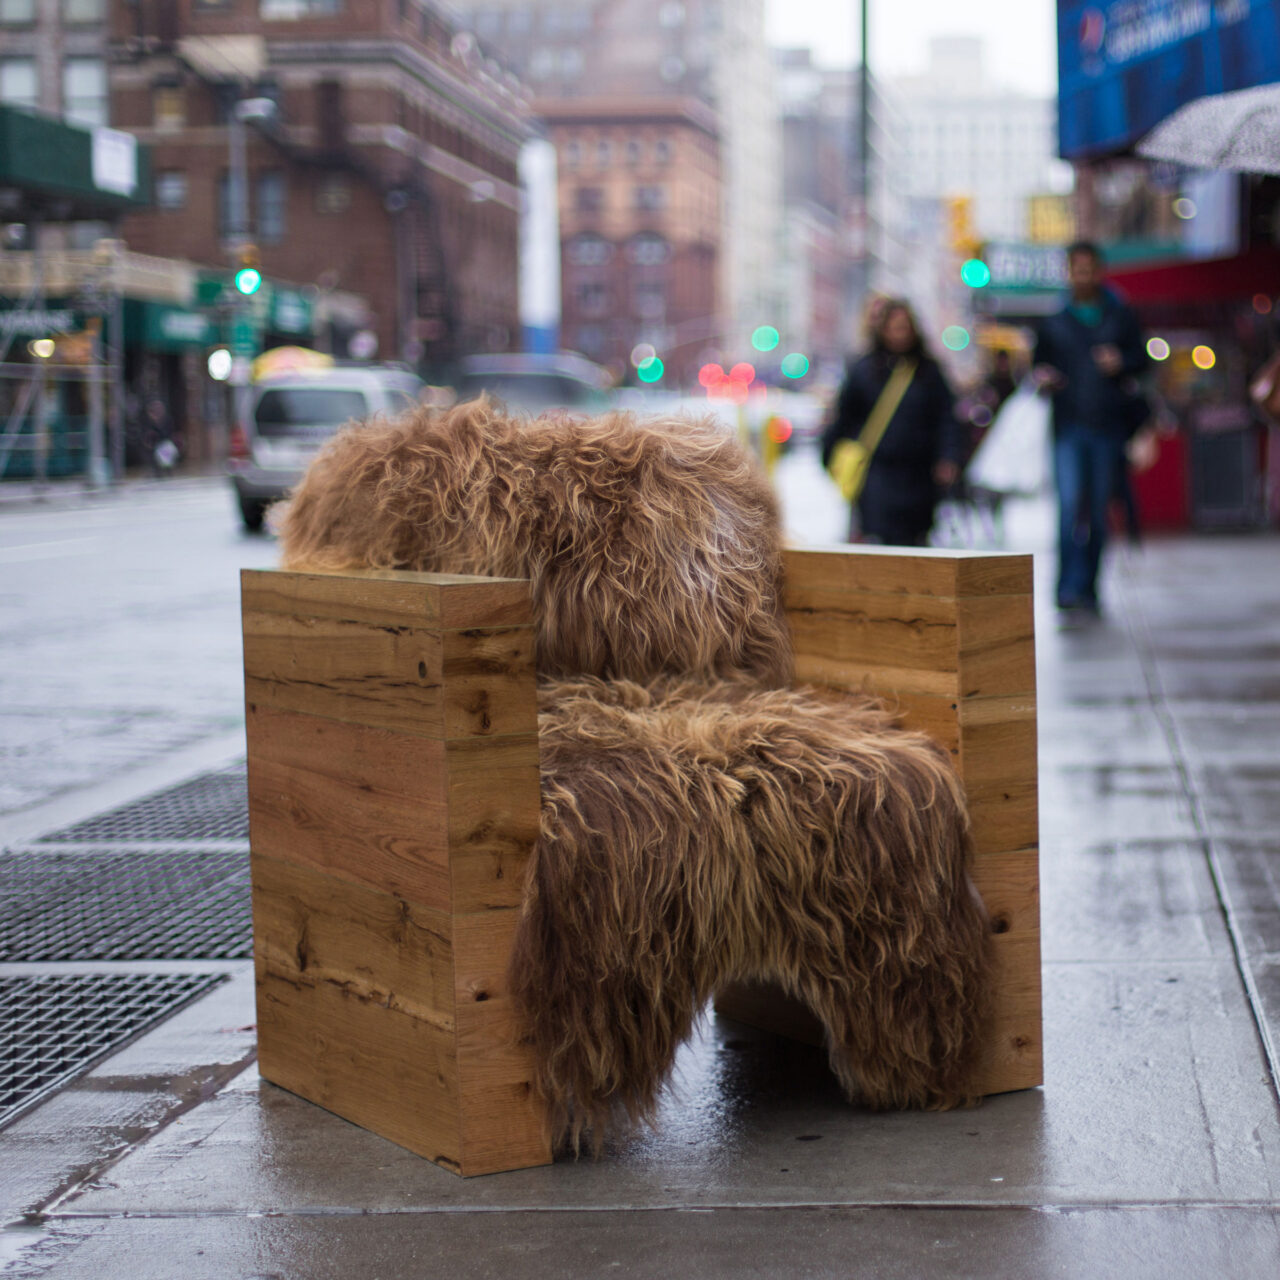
x,y
272,195
17,12
589,199
171,189
169,106
542,64
588,251
571,63
572,155
648,251
18,84
634,151
604,154
520,21
662,151
593,298
287,9
84,11
649,298
650,198
84,91
333,195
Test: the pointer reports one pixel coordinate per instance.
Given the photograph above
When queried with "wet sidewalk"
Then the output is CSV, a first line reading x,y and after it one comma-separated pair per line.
x,y
1153,1149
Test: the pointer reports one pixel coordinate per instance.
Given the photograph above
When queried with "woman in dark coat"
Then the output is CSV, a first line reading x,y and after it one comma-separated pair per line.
x,y
920,451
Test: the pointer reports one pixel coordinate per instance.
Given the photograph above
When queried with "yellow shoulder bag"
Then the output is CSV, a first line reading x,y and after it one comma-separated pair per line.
x,y
851,459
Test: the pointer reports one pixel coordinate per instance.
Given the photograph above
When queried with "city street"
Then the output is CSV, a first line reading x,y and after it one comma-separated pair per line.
x,y
1153,1149
119,633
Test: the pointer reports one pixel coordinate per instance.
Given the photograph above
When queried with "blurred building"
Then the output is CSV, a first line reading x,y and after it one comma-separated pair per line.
x,y
701,49
381,158
53,59
964,135
837,244
640,227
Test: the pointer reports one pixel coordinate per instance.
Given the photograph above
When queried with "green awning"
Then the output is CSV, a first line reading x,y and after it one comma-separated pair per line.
x,y
77,172
160,327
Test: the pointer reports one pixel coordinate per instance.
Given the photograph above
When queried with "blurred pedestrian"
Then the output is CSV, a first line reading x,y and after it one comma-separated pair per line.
x,y
893,442
1088,357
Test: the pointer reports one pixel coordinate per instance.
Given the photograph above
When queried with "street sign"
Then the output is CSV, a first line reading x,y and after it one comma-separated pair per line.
x,y
244,337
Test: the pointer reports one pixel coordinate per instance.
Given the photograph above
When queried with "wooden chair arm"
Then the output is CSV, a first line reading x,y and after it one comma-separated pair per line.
x,y
949,637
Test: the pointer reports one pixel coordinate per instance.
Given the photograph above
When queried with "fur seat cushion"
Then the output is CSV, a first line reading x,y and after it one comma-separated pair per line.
x,y
697,834
652,546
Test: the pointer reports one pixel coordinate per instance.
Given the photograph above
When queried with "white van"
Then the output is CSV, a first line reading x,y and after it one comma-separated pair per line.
x,y
294,414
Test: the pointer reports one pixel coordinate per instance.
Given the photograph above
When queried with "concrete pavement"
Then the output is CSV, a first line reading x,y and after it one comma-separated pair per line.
x,y
1152,1151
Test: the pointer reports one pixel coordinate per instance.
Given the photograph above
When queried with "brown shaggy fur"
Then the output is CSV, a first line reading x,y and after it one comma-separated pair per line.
x,y
694,835
652,547
696,829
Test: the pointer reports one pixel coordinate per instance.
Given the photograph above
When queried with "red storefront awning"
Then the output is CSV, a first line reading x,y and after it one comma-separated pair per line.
x,y
1218,280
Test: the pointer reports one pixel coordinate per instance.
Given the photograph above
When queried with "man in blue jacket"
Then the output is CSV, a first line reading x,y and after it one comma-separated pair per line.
x,y
1088,357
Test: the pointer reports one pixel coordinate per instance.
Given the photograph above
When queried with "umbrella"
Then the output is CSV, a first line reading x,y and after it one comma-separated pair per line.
x,y
1239,130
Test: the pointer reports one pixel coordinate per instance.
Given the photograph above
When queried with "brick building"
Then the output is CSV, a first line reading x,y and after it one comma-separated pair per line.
x,y
386,168
639,227
709,50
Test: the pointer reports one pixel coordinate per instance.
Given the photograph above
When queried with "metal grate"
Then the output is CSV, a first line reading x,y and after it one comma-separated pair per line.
x,y
54,1026
124,905
214,806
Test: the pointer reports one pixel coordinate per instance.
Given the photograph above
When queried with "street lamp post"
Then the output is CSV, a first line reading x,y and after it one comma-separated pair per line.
x,y
242,111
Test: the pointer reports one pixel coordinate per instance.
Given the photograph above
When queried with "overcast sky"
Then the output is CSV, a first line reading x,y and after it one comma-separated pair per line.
x,y
1019,34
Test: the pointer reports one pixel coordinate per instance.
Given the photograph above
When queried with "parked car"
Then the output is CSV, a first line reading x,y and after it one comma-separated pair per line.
x,y
294,414
537,383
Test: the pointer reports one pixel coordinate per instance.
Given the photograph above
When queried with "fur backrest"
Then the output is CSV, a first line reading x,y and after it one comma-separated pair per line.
x,y
653,545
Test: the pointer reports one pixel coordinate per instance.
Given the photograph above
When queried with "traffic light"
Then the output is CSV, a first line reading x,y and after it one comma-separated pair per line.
x,y
960,232
248,277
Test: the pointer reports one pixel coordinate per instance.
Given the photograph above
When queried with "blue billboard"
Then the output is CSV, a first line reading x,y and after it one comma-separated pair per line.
x,y
1124,65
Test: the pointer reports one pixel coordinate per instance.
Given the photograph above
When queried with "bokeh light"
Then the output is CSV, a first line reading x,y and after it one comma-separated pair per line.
x,y
642,353
744,373
955,337
795,365
650,370
710,375
976,274
42,348
1184,208
765,338
1262,304
1157,349
219,364
780,430
1203,357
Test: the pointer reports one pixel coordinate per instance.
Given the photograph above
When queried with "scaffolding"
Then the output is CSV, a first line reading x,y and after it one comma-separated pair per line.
x,y
54,174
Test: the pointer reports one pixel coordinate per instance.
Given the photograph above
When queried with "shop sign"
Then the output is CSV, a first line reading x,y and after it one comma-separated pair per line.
x,y
290,311
36,322
1124,65
115,161
1035,267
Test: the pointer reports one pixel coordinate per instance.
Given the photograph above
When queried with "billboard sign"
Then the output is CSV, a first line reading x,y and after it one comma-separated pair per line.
x,y
1124,65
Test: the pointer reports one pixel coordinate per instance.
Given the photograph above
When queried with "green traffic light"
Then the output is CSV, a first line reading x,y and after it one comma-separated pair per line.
x,y
976,274
248,280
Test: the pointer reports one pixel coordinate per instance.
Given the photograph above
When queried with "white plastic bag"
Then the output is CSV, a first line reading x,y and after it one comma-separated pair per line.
x,y
1013,457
